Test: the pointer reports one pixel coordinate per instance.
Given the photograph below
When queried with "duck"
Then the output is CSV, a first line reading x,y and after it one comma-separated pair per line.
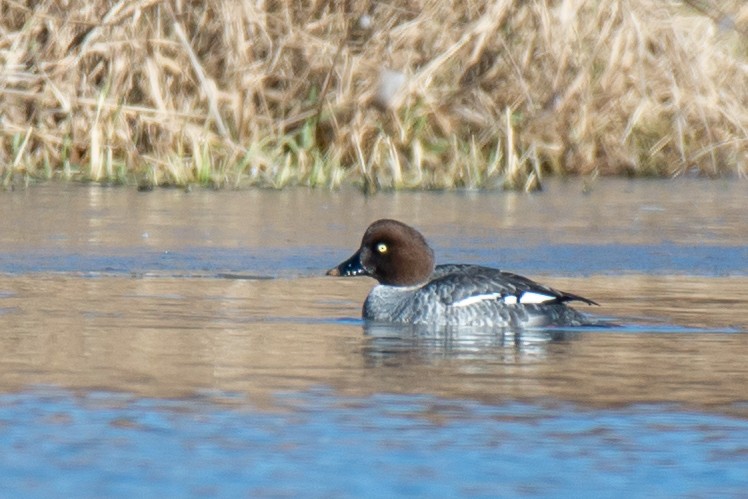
x,y
412,289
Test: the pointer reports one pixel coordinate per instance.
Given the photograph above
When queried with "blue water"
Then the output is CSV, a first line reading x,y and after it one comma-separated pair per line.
x,y
96,444
558,259
319,443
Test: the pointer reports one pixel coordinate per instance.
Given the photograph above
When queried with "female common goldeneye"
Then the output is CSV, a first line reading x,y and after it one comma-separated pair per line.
x,y
412,290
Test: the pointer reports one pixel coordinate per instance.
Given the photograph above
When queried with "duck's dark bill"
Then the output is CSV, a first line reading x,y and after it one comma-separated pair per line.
x,y
350,267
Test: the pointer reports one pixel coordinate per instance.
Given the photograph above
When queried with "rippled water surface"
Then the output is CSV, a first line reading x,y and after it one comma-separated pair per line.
x,y
188,344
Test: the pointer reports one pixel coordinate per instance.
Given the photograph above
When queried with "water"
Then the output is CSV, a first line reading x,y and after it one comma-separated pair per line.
x,y
187,344
383,445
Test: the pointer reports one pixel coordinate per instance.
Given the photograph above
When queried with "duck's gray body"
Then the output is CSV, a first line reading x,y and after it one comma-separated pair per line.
x,y
473,295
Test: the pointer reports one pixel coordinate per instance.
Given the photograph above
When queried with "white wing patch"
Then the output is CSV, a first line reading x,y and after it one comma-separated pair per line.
x,y
470,300
531,297
528,297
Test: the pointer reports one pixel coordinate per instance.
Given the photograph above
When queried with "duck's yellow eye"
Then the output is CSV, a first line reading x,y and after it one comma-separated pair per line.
x,y
382,248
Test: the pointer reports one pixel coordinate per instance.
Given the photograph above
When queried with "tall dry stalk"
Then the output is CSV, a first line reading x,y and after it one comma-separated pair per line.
x,y
417,94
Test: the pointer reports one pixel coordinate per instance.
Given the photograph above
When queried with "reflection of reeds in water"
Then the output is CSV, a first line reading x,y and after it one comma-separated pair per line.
x,y
251,339
433,95
679,300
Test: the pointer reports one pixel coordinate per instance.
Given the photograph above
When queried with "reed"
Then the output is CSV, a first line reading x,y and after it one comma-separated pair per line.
x,y
417,94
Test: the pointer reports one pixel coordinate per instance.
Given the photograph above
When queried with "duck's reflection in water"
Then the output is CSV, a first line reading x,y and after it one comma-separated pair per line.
x,y
395,344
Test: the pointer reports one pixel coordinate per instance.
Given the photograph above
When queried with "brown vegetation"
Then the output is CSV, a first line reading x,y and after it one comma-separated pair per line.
x,y
384,94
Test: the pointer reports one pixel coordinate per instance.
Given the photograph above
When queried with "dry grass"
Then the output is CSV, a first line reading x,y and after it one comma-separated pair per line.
x,y
387,95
